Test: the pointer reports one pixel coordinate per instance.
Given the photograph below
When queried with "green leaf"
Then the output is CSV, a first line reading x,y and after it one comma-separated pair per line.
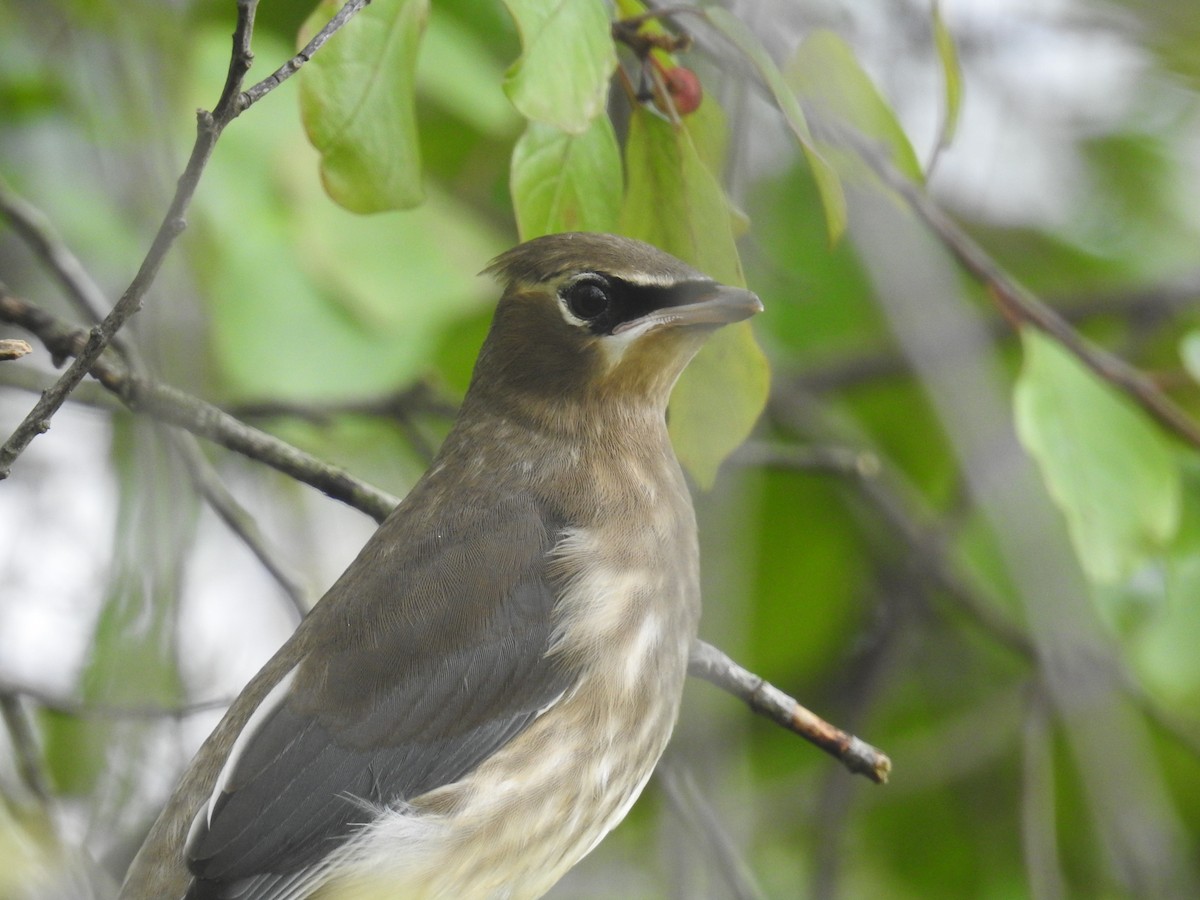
x,y
567,57
828,183
351,305
1107,467
947,53
357,103
457,71
565,182
674,202
826,73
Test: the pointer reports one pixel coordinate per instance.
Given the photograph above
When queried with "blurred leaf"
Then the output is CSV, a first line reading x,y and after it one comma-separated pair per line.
x,y
565,182
357,102
826,178
674,202
1163,648
1106,465
947,53
74,753
1171,29
457,71
1137,212
352,305
132,654
567,56
825,73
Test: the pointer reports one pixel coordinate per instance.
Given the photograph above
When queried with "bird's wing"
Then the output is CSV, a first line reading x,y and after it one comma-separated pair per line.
x,y
433,655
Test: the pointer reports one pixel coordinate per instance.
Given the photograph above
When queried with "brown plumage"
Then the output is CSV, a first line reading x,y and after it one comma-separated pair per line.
x,y
484,692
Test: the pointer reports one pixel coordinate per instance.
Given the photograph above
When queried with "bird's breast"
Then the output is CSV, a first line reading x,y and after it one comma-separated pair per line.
x,y
626,616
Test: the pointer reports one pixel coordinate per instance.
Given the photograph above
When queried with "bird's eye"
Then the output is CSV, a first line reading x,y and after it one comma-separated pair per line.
x,y
587,298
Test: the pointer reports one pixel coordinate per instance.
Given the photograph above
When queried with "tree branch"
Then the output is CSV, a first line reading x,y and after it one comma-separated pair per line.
x,y
237,519
858,756
1021,307
209,126
35,229
175,407
256,92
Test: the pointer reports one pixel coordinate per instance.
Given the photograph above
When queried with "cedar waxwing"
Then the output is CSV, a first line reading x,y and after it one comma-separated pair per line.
x,y
485,691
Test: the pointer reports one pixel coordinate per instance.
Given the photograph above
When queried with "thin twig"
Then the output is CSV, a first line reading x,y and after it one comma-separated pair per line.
x,y
256,92
40,235
175,407
689,804
1021,307
858,756
209,126
926,543
34,227
1146,306
238,520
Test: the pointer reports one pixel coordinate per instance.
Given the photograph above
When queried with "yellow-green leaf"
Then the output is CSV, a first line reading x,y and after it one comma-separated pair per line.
x,y
825,73
567,57
1105,464
947,53
357,102
674,202
566,182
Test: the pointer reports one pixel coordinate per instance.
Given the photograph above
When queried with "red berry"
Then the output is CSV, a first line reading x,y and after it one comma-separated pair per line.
x,y
685,90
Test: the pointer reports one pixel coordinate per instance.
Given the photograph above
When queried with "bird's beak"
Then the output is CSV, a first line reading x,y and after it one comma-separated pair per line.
x,y
714,306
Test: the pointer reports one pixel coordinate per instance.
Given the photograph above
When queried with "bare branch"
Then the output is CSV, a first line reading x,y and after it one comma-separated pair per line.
x,y
688,802
35,229
256,92
838,460
175,407
858,756
209,126
1021,307
208,129
238,520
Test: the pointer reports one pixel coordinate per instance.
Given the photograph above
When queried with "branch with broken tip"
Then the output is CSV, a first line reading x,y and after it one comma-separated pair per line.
x,y
858,756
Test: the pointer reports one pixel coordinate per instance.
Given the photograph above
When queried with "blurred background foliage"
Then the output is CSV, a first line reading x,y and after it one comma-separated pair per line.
x,y
946,536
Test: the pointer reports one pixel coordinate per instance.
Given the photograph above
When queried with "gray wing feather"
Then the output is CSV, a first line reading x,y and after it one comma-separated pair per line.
x,y
432,657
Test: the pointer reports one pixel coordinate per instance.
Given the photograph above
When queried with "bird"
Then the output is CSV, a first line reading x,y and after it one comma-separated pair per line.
x,y
485,691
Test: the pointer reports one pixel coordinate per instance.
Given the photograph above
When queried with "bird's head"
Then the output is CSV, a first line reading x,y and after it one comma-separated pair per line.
x,y
594,319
